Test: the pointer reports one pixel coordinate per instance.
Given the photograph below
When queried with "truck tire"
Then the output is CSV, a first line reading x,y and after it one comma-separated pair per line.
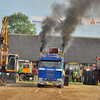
x,y
95,78
22,77
66,81
62,85
39,85
84,76
16,77
89,79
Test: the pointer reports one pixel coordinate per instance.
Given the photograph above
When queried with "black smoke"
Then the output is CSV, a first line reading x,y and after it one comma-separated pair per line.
x,y
71,12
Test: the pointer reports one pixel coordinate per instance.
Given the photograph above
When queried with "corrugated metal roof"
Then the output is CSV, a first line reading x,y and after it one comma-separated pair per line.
x,y
81,49
27,46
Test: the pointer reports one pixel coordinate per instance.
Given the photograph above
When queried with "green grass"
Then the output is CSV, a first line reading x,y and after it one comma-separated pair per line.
x,y
26,81
78,83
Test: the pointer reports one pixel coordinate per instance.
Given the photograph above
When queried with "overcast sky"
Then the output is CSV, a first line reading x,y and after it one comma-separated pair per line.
x,y
43,8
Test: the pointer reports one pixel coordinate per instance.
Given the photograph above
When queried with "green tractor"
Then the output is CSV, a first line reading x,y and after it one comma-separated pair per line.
x,y
25,70
74,70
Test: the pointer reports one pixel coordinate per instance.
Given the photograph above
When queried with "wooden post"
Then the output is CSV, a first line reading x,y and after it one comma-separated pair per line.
x,y
35,78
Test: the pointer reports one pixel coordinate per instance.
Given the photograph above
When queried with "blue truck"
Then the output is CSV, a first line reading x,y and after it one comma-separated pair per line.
x,y
51,70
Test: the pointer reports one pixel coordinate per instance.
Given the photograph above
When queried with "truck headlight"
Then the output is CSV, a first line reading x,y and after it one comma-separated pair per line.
x,y
59,79
8,74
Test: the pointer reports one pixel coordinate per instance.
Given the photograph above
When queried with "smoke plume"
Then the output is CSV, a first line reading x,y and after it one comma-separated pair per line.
x,y
75,9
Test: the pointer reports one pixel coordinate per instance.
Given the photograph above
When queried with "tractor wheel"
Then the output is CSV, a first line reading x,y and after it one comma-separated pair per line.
x,y
22,77
90,79
80,79
95,78
84,76
89,76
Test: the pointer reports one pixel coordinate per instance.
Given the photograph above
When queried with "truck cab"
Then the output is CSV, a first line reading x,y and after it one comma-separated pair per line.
x,y
10,74
25,70
50,70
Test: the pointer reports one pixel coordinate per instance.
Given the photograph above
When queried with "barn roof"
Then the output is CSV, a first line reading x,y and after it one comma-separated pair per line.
x,y
27,46
81,49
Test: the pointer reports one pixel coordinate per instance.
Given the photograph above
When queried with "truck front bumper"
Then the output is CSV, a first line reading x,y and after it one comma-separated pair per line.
x,y
54,83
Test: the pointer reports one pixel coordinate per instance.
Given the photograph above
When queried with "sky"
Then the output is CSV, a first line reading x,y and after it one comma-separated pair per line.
x,y
43,8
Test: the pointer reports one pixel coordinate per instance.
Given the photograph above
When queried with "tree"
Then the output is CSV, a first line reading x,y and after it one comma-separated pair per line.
x,y
18,23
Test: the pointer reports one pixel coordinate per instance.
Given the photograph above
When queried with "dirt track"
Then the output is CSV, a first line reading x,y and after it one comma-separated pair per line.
x,y
31,92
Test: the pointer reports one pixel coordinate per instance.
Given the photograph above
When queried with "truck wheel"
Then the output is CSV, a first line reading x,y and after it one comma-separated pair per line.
x,y
66,82
22,77
84,76
87,78
62,84
90,75
16,77
95,78
39,85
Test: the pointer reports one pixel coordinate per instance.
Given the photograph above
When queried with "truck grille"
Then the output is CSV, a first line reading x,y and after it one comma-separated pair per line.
x,y
50,74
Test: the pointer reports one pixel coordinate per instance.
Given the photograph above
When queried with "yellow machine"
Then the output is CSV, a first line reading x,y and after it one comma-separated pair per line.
x,y
8,62
4,44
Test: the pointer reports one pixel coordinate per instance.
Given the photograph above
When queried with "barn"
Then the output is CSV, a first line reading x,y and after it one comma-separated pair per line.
x,y
81,49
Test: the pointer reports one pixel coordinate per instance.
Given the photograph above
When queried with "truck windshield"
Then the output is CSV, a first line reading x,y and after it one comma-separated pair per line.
x,y
11,62
51,64
74,67
23,65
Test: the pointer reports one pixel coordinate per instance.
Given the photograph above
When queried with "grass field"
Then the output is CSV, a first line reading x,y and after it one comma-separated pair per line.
x,y
78,83
26,81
